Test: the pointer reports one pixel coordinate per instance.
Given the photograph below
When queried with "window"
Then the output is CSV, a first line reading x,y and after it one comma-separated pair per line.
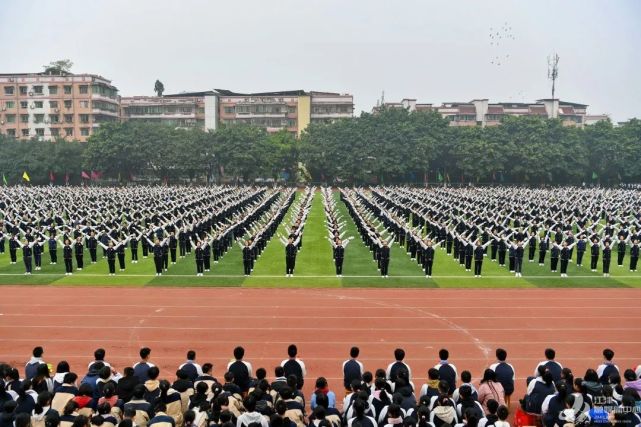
x,y
69,131
67,103
185,110
37,90
53,104
40,132
67,90
53,90
291,109
84,104
229,110
68,118
24,90
24,104
11,132
84,131
201,110
83,89
25,132
11,118
24,118
8,90
54,118
38,104
39,118
10,104
84,118
55,132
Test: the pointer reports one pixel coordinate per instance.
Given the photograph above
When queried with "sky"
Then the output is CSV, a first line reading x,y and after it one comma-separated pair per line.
x,y
432,51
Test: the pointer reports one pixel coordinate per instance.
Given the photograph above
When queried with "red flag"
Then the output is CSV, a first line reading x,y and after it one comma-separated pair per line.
x,y
84,175
95,175
52,177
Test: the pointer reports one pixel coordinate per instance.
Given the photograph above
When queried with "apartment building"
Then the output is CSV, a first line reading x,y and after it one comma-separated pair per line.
x,y
48,106
182,110
289,110
480,112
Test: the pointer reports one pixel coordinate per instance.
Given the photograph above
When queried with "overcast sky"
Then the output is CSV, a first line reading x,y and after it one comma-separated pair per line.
x,y
433,51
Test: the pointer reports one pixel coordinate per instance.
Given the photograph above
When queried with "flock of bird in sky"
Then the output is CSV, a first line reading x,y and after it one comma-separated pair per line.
x,y
500,40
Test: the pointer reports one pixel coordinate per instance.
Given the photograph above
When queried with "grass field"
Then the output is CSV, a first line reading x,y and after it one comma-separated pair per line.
x,y
315,268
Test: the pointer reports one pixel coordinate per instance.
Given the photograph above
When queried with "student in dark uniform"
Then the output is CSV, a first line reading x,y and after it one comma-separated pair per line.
x,y
594,254
555,252
198,255
111,256
479,253
206,255
182,242
67,255
607,257
622,245
173,244
384,258
92,245
14,244
53,249
291,249
247,257
79,252
581,246
566,255
27,251
428,258
338,254
156,250
37,253
543,248
133,247
634,256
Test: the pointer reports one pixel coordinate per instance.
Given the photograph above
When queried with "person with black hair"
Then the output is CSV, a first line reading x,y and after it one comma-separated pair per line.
x,y
280,379
52,419
85,397
467,403
538,389
322,387
360,418
161,419
200,396
8,415
470,419
141,367
394,367
192,368
504,373
352,368
443,412
42,409
466,379
42,381
206,377
126,384
31,367
26,399
68,414
294,366
62,369
182,383
241,369
251,416
490,388
447,370
22,419
502,412
491,417
550,364
430,388
230,385
143,409
172,401
631,380
608,367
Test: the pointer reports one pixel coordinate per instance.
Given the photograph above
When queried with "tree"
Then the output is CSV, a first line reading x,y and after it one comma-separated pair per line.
x,y
159,88
59,67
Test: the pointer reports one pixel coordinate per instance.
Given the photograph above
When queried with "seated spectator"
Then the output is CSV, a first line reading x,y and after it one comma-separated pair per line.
x,y
106,418
359,417
61,370
241,369
109,396
261,374
430,388
466,379
368,381
617,388
591,383
251,416
8,414
443,412
608,367
42,382
126,384
491,416
105,376
554,404
69,414
470,419
332,415
538,389
161,419
12,380
631,380
143,409
550,364
42,409
504,373
447,371
92,377
152,390
394,416
230,385
503,412
201,395
182,383
280,380
352,368
323,387
85,398
468,403
206,377
26,398
172,401
490,389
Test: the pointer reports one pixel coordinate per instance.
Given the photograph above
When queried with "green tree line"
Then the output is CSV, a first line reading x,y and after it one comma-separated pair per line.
x,y
394,146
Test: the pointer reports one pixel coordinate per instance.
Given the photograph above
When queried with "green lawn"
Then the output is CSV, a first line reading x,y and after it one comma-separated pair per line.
x,y
315,268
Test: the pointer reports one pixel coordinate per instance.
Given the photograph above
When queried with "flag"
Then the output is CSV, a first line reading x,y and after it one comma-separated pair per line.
x,y
95,175
440,177
594,175
52,177
84,175
25,176
4,180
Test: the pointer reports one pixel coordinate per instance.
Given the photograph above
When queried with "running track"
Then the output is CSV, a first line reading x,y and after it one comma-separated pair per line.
x,y
71,322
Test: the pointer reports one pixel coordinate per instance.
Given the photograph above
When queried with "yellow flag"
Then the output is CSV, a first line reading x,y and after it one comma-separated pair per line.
x,y
25,176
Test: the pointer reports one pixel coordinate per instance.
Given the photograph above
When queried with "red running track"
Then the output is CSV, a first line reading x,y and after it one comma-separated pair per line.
x,y
72,322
